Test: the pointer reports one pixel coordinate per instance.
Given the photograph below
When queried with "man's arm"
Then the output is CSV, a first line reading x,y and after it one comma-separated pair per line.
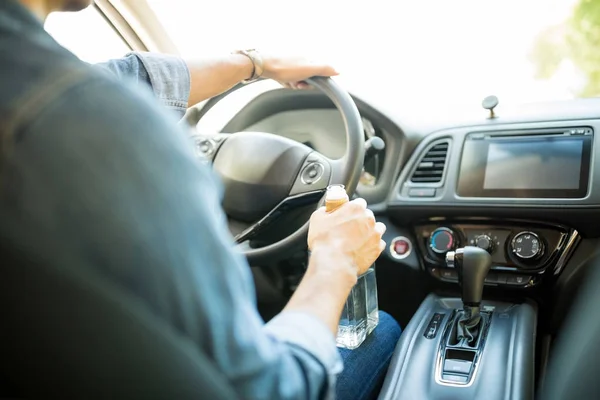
x,y
130,196
183,83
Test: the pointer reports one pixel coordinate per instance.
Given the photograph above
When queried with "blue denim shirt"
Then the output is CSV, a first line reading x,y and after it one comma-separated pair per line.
x,y
101,165
168,76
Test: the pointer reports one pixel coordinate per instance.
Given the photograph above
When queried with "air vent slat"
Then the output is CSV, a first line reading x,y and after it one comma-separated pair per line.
x,y
431,166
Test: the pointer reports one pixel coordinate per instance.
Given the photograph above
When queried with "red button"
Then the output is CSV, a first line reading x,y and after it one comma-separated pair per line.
x,y
401,247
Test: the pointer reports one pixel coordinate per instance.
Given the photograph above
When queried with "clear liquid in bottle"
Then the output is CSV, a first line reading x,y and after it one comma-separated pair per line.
x,y
361,310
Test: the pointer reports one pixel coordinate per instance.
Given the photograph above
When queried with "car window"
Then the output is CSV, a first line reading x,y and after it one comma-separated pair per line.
x,y
87,34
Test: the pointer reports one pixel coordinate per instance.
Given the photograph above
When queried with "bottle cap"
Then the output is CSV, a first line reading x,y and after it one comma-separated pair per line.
x,y
336,192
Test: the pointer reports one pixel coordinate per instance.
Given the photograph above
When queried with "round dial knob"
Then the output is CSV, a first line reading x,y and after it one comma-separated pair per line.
x,y
442,240
527,246
484,242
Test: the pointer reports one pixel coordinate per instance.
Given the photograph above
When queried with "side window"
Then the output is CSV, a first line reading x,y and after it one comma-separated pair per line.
x,y
86,34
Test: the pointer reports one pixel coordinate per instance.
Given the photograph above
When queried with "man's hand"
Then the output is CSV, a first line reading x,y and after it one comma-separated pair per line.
x,y
291,72
350,231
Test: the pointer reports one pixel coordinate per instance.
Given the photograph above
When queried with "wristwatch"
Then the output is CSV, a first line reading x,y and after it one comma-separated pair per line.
x,y
257,64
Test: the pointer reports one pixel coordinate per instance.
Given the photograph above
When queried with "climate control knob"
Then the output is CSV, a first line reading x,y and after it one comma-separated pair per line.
x,y
442,240
527,246
484,242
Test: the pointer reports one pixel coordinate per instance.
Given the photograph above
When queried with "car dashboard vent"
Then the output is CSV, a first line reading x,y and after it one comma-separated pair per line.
x,y
431,167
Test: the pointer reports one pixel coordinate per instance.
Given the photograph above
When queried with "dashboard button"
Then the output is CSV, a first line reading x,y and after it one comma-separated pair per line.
x,y
400,247
442,240
501,279
517,280
457,366
491,278
455,378
421,192
435,272
448,275
527,246
433,326
485,242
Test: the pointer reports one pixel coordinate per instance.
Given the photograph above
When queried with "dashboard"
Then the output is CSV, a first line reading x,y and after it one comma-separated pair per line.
x,y
521,185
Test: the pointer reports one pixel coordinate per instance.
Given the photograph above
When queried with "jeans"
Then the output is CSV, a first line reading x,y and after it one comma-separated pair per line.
x,y
366,366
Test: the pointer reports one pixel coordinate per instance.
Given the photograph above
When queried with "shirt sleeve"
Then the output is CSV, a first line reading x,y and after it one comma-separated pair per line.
x,y
309,334
98,168
168,76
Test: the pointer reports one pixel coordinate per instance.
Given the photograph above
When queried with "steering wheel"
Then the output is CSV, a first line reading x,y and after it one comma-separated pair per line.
x,y
266,175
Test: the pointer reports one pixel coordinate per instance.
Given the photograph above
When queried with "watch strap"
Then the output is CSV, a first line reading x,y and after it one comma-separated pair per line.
x,y
257,64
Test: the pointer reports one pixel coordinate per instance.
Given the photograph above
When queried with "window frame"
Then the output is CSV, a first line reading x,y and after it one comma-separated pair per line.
x,y
119,25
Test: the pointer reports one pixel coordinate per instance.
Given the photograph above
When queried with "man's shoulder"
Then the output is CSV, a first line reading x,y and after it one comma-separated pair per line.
x,y
34,76
38,78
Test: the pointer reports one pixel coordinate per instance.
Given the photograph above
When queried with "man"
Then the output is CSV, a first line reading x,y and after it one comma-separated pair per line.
x,y
98,170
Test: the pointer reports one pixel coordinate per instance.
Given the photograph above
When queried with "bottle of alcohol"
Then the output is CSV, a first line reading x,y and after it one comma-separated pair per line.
x,y
361,311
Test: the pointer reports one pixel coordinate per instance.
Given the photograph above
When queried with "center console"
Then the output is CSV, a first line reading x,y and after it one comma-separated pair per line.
x,y
493,205
465,348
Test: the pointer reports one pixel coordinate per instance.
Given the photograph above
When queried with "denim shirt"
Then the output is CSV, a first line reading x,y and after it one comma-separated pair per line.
x,y
101,165
168,76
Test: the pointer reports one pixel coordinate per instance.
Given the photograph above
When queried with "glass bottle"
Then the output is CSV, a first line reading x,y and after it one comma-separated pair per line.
x,y
361,310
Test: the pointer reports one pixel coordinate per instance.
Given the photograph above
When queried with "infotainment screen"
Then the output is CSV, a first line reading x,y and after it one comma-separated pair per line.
x,y
525,166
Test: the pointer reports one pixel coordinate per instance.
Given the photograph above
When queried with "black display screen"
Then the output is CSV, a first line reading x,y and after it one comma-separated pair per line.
x,y
552,166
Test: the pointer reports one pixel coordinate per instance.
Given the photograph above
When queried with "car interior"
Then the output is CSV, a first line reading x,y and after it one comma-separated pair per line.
x,y
487,188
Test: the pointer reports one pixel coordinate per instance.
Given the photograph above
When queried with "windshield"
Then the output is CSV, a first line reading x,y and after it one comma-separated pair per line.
x,y
411,53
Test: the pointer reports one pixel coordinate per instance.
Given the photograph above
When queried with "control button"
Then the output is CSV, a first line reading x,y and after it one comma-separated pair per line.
x,y
400,247
485,242
312,173
458,366
491,278
450,258
442,240
421,192
434,326
205,147
501,279
517,280
527,246
455,378
448,275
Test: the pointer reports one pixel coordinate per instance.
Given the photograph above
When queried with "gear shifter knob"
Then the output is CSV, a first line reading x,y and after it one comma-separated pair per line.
x,y
473,265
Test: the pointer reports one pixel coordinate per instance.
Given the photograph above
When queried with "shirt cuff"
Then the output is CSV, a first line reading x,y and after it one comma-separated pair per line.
x,y
170,78
310,334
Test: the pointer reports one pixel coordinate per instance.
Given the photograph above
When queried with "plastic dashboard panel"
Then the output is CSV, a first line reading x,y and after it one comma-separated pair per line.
x,y
581,214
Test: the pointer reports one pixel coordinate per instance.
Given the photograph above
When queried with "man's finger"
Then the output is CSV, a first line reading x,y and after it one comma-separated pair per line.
x,y
360,202
325,70
380,228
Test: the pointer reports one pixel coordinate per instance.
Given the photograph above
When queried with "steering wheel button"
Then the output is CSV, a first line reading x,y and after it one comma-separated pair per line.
x,y
312,173
205,147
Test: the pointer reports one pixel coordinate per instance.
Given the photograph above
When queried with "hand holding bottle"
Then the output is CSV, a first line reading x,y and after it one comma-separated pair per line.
x,y
349,228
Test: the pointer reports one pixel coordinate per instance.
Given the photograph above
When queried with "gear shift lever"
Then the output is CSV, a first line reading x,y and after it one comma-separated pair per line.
x,y
473,265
